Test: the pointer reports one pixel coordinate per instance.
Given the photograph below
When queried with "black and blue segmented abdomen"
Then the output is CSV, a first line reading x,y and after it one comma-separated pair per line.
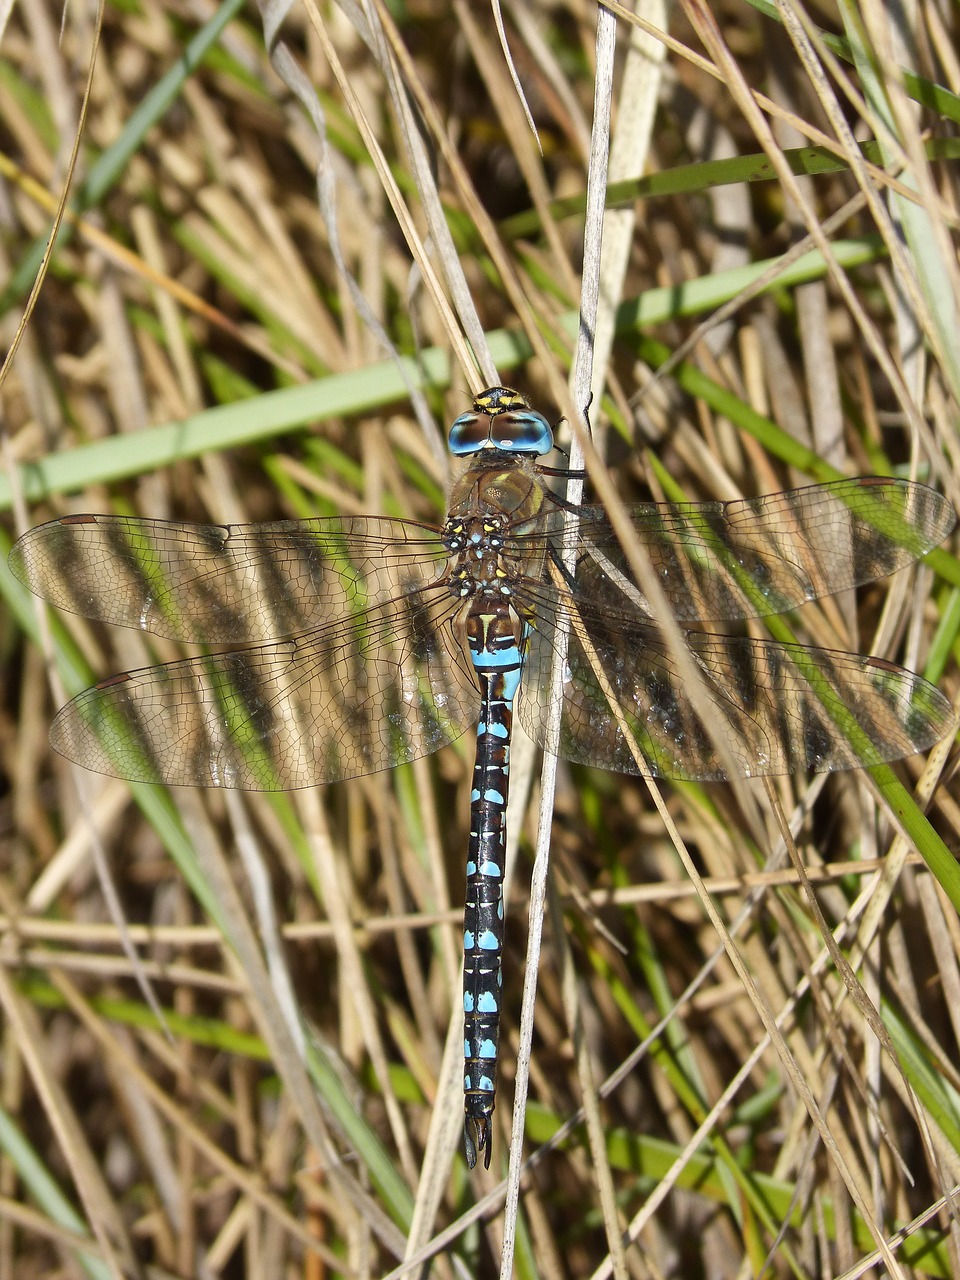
x,y
497,645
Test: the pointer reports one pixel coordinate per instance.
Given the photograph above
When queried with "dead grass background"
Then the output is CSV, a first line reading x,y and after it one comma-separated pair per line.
x,y
196,352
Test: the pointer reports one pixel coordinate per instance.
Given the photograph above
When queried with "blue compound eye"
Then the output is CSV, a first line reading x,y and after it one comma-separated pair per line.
x,y
469,434
523,432
501,419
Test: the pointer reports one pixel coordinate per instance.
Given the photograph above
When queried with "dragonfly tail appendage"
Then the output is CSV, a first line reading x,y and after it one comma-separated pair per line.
x,y
476,1138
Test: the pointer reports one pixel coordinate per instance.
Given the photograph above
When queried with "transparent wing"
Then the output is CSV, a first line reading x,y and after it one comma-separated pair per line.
x,y
777,708
756,557
386,686
223,584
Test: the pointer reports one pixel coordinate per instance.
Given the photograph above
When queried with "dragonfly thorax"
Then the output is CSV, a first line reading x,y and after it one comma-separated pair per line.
x,y
478,535
465,583
476,547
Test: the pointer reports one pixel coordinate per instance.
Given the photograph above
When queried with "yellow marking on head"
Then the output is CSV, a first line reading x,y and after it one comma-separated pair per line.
x,y
499,400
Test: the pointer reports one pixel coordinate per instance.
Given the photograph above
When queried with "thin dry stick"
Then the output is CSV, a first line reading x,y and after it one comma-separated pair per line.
x,y
596,187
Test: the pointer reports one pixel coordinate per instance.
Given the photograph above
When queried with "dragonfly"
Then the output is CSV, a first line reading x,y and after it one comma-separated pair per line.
x,y
369,642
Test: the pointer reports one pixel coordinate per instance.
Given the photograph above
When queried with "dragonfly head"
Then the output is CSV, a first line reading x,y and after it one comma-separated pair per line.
x,y
502,420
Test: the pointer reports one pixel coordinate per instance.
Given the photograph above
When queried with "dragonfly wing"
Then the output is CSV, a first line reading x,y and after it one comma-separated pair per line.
x,y
776,708
759,556
223,584
386,686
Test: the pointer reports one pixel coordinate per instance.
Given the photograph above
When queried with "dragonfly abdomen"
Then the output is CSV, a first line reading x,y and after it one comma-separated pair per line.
x,y
496,638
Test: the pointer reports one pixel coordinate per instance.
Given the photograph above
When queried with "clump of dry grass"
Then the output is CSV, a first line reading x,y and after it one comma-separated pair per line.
x,y
212,342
